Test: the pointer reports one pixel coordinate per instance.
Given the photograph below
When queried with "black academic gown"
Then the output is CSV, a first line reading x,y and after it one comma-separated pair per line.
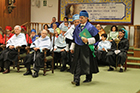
x,y
123,46
82,53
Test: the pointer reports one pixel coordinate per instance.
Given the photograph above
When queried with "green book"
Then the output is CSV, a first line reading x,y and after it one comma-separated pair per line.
x,y
85,33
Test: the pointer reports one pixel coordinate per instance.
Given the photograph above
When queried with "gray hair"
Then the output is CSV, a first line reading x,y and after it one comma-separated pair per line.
x,y
45,31
18,27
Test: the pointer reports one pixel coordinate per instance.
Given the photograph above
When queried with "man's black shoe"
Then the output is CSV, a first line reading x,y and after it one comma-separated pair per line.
x,y
86,81
110,69
27,73
1,70
35,74
63,69
75,83
121,70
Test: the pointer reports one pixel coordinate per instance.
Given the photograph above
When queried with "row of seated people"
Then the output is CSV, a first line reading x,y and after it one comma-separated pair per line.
x,y
61,49
114,45
10,54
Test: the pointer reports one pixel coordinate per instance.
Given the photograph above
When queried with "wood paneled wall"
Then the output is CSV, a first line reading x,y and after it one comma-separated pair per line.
x,y
19,15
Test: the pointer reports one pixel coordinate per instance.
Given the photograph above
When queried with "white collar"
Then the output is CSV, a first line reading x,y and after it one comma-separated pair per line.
x,y
83,24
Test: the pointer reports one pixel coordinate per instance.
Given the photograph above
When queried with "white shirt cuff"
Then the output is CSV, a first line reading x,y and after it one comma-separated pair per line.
x,y
72,46
91,40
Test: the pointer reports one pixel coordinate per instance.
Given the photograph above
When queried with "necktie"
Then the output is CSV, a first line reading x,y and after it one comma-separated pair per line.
x,y
82,26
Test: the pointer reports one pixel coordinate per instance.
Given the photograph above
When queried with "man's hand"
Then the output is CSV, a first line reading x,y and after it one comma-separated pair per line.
x,y
36,48
11,47
110,40
103,49
72,51
85,40
52,22
54,49
62,50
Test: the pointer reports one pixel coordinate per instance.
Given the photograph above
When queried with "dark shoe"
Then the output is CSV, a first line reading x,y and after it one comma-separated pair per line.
x,y
86,81
27,73
63,69
35,74
110,69
68,70
121,70
1,70
6,71
55,67
75,83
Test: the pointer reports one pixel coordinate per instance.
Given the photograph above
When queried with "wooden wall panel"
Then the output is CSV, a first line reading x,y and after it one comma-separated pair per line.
x,y
19,15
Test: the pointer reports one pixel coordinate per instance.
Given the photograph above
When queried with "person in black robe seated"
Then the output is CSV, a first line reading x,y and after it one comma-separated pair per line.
x,y
36,56
11,53
118,53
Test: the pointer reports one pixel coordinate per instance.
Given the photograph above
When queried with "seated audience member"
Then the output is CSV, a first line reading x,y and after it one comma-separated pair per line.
x,y
54,21
101,30
66,24
62,24
28,39
126,33
37,56
1,35
46,27
11,53
1,31
119,52
60,49
55,28
103,47
113,33
33,35
8,34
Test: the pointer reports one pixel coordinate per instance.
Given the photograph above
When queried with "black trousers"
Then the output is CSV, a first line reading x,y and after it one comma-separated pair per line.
x,y
77,73
61,55
111,58
37,63
7,57
5,64
101,57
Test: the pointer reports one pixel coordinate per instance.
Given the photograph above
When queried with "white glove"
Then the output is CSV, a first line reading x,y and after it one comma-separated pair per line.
x,y
117,51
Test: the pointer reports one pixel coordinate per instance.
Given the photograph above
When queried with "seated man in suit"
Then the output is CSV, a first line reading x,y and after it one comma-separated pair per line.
x,y
103,47
119,52
11,53
60,49
37,55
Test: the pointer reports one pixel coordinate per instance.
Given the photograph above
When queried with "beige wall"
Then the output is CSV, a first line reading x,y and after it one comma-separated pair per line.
x,y
137,12
45,13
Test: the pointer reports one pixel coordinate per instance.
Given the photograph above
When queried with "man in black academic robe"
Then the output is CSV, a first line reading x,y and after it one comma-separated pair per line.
x,y
119,53
84,63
